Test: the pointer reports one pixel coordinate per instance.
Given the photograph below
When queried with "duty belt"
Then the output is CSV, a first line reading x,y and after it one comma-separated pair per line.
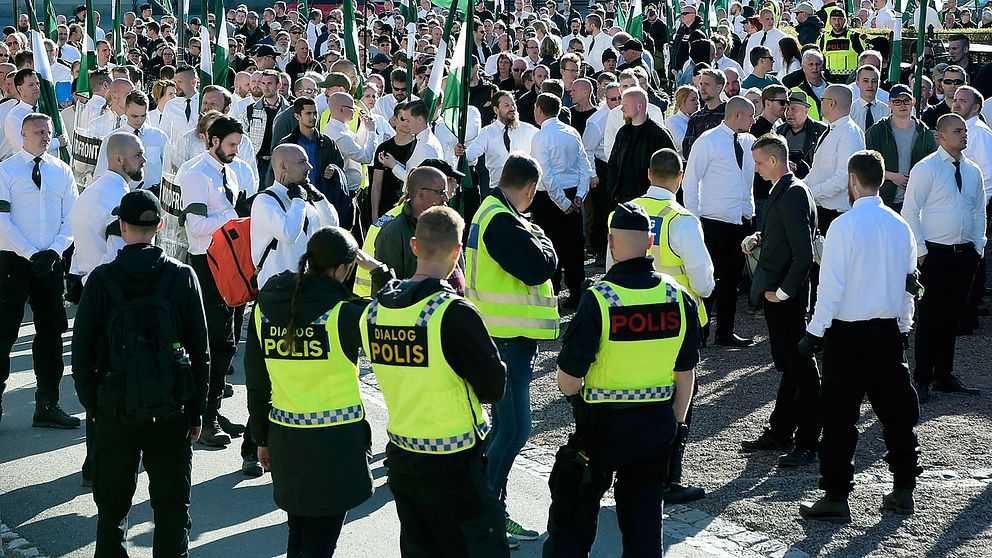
x,y
438,445
319,418
645,394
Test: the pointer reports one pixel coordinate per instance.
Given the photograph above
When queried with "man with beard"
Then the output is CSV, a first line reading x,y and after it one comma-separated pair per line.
x,y
384,105
638,139
710,114
260,118
497,140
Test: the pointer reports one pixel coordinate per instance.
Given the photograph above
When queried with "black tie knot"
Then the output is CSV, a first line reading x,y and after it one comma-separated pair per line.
x,y
738,152
36,172
957,173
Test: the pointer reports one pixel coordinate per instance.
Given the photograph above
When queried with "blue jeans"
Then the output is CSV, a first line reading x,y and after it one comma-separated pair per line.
x,y
511,416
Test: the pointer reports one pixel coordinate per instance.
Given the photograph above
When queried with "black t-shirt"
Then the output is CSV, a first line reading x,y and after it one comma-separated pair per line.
x,y
580,118
392,187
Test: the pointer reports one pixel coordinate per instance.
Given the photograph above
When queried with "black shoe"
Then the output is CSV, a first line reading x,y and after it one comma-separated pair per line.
x,y
923,393
826,509
213,436
231,428
900,500
766,442
797,458
228,390
954,385
734,340
50,415
678,494
251,468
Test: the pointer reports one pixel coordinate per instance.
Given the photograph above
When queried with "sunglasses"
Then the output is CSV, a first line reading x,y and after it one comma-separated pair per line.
x,y
442,193
946,81
783,102
614,99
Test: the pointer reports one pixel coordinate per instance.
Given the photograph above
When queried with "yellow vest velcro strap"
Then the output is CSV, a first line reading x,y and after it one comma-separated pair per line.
x,y
655,393
510,321
507,298
317,419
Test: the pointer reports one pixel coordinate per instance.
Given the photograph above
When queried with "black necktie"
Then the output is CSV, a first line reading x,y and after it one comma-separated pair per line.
x,y
137,132
34,108
763,37
189,109
957,173
36,174
738,152
506,138
869,118
228,192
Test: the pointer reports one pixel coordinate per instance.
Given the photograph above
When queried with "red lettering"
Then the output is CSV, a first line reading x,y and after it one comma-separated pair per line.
x,y
675,320
637,323
617,321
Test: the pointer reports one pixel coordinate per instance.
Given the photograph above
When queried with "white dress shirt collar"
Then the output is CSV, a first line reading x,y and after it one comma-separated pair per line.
x,y
868,201
549,122
659,193
30,157
840,121
945,156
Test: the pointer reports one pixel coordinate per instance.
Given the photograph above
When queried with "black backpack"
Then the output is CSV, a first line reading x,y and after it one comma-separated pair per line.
x,y
148,364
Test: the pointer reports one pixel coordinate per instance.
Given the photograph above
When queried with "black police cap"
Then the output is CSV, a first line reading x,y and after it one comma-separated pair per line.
x,y
630,217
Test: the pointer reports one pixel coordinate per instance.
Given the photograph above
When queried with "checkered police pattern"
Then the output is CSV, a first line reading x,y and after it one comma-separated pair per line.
x,y
373,312
611,296
432,305
319,418
671,293
645,394
434,445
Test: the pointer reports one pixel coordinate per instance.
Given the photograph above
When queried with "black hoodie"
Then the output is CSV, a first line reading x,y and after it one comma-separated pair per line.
x,y
138,267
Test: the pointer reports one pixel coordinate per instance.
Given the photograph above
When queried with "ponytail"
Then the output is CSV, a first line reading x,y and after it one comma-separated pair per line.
x,y
296,301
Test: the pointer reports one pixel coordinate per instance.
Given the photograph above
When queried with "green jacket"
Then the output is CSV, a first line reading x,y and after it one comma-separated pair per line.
x,y
880,138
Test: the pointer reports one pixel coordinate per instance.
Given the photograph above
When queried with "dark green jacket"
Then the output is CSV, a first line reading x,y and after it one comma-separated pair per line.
x,y
392,246
880,138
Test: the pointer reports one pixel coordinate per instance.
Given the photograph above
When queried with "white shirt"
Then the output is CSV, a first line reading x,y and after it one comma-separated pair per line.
x,y
774,35
174,122
154,142
986,111
594,136
884,18
386,105
827,178
189,145
595,47
5,107
202,191
868,237
70,53
14,123
490,143
355,153
677,124
725,62
448,139
60,73
564,164
291,227
90,217
35,219
859,111
714,186
426,146
615,121
979,150
935,209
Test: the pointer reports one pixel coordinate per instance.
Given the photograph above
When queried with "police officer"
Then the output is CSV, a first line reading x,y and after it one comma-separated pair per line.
x,y
840,46
627,415
679,251
306,411
436,364
862,322
127,432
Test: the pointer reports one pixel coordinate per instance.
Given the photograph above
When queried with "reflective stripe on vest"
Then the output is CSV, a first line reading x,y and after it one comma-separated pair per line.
x,y
438,445
363,277
322,418
508,307
839,55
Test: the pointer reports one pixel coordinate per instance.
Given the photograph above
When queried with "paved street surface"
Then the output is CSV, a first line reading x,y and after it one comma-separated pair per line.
x,y
40,496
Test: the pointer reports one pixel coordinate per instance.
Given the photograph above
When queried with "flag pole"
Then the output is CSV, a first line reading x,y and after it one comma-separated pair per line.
x,y
921,30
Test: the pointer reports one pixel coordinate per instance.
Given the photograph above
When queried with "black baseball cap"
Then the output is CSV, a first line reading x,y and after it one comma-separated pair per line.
x,y
140,208
899,90
444,167
630,217
264,50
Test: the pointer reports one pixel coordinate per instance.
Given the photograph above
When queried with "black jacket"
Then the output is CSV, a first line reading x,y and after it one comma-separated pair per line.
x,y
810,30
680,42
525,254
626,176
814,129
331,188
137,269
786,241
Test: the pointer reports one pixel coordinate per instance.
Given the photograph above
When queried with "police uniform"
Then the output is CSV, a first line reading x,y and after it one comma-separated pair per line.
x,y
436,364
363,278
625,423
840,53
306,406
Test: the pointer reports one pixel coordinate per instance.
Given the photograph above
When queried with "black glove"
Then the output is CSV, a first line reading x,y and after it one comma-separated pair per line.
x,y
313,194
296,192
810,344
42,263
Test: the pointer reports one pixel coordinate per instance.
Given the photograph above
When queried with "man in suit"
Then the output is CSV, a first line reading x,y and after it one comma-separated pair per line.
x,y
782,282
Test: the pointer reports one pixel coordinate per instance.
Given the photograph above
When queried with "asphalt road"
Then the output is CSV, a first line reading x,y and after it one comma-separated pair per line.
x,y
40,495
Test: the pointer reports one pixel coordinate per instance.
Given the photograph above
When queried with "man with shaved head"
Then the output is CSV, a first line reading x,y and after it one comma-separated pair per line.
x,y
342,107
827,178
639,138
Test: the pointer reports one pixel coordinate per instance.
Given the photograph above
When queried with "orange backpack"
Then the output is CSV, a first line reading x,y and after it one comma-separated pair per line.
x,y
229,258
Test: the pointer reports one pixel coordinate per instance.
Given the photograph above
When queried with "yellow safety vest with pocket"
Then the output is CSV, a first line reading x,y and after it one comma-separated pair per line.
x,y
840,58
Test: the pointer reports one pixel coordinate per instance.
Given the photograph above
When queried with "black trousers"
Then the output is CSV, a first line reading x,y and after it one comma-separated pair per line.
x,y
602,204
220,333
723,240
797,404
568,238
450,515
976,293
859,359
637,472
18,285
164,448
946,274
313,537
255,361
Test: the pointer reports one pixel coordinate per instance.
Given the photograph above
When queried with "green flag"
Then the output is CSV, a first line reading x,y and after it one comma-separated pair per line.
x,y
920,43
432,94
454,111
621,16
409,14
303,8
351,45
115,7
222,54
88,61
896,58
51,21
635,23
670,10
47,103
206,65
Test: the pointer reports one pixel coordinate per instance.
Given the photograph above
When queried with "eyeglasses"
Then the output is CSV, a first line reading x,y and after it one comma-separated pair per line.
x,y
570,70
442,193
783,102
349,108
946,81
614,99
517,70
901,102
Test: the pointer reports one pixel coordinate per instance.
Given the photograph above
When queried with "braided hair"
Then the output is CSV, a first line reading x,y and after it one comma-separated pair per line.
x,y
327,249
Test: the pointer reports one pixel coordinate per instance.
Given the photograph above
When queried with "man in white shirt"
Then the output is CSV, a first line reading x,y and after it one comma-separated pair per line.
x,y
768,36
827,178
385,105
496,141
862,322
885,17
181,113
594,141
968,105
565,179
425,143
95,227
209,190
153,139
37,192
28,86
945,208
356,153
867,109
116,103
597,42
717,187
720,60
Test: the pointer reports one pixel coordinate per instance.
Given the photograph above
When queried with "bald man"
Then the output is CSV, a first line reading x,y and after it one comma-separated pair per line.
x,y
828,178
342,107
638,139
117,103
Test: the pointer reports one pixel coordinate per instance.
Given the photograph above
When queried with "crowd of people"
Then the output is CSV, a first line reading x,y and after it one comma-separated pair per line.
x,y
683,153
